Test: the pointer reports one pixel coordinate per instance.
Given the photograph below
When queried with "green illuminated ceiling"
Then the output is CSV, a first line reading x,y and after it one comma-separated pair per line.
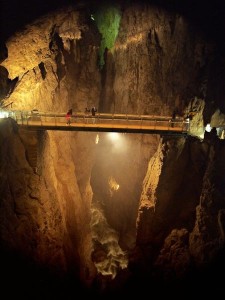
x,y
108,21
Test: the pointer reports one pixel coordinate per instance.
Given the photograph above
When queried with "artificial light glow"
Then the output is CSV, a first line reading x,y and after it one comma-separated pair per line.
x,y
208,128
118,142
114,136
92,17
97,139
3,114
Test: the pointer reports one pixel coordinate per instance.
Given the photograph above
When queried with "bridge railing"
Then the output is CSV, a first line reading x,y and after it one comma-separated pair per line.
x,y
29,118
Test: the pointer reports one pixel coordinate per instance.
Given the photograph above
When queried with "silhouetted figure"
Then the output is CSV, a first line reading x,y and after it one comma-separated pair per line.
x,y
68,116
93,111
173,117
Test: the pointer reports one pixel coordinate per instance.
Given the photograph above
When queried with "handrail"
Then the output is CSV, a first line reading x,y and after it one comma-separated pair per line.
x,y
103,120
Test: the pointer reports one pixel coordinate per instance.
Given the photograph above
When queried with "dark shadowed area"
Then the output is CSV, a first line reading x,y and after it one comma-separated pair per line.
x,y
207,16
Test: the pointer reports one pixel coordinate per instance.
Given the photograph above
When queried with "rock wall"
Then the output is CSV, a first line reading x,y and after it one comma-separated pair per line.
x,y
180,227
45,211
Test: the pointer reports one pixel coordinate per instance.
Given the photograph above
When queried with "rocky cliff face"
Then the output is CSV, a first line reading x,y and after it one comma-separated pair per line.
x,y
118,215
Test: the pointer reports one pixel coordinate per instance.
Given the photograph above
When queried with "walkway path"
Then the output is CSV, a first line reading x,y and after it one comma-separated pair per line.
x,y
101,122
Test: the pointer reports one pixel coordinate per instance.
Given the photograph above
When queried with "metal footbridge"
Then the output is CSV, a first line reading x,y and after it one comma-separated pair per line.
x,y
101,122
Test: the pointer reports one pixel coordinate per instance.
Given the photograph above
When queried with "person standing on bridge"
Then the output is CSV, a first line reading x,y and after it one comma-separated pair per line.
x,y
174,114
93,111
87,110
68,116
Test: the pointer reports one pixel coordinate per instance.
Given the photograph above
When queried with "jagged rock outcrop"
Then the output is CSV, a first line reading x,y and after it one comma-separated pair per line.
x,y
44,215
181,221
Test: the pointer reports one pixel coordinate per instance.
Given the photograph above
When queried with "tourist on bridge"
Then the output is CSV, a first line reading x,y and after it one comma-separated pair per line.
x,y
174,114
93,111
87,110
68,116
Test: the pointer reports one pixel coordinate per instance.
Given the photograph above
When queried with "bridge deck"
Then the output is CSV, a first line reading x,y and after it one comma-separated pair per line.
x,y
102,122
